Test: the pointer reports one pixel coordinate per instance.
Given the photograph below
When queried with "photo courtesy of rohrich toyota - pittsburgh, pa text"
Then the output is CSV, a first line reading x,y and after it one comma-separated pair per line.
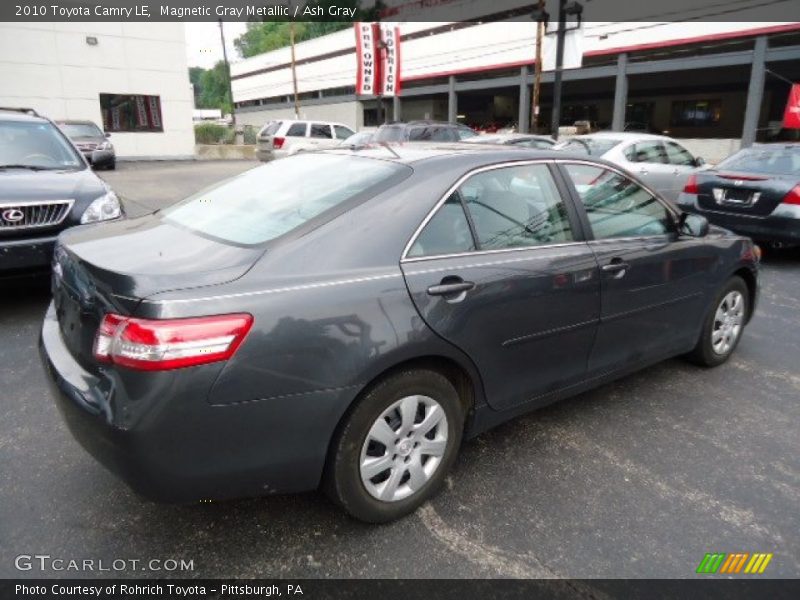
x,y
399,299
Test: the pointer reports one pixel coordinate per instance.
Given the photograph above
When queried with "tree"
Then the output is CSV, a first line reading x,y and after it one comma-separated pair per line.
x,y
211,87
271,35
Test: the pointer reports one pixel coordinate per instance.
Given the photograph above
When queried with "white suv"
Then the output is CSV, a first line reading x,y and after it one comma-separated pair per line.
x,y
286,137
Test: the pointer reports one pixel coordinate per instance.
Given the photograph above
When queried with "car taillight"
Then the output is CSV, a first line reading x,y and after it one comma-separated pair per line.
x,y
163,344
793,197
277,142
691,185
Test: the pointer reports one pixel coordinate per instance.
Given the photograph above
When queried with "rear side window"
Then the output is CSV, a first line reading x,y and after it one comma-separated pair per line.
x,y
511,207
616,206
296,130
446,233
272,200
646,152
319,130
515,207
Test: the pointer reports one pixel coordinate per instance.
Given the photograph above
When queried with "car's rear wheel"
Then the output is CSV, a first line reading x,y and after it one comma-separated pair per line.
x,y
724,325
396,447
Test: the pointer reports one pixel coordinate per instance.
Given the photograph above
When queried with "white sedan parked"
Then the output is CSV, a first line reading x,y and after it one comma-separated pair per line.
x,y
661,162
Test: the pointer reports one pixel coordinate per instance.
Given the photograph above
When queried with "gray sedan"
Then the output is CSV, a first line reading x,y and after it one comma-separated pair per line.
x,y
343,319
661,162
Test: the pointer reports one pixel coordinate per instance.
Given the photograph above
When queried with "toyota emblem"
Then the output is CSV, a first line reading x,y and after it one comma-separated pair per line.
x,y
13,215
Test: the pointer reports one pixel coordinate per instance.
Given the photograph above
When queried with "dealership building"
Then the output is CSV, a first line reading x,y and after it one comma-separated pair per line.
x,y
715,85
131,79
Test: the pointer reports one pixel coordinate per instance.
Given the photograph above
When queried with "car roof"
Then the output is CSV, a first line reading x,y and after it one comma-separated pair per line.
x,y
416,152
623,136
75,121
14,115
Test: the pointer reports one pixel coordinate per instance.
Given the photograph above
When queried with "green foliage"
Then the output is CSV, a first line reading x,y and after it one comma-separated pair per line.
x,y
211,87
249,134
270,35
213,133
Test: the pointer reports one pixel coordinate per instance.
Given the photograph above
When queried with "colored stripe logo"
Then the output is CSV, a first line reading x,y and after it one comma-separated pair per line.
x,y
735,563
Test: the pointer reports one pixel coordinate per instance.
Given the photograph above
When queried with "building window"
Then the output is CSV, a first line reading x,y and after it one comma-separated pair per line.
x,y
696,113
131,112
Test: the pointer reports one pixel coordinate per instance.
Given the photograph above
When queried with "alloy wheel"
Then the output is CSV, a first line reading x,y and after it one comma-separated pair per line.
x,y
728,322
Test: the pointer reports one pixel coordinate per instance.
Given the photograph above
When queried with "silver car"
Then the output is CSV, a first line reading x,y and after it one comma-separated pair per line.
x,y
661,162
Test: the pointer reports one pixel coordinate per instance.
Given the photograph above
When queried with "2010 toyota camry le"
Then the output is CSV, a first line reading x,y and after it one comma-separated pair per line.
x,y
343,319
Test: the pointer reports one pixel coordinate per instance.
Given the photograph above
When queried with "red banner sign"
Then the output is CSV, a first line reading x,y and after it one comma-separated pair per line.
x,y
390,65
791,116
367,80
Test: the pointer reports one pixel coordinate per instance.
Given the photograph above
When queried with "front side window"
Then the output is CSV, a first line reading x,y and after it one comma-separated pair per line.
x,y
319,130
131,112
36,145
296,130
272,200
678,155
616,206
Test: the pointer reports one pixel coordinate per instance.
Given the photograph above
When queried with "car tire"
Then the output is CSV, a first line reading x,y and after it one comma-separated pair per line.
x,y
112,165
408,478
723,326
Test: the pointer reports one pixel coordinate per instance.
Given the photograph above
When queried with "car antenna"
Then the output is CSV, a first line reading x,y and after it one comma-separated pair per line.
x,y
389,148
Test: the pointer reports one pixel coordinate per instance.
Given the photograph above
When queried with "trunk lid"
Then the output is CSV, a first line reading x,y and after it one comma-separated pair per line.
x,y
111,267
751,194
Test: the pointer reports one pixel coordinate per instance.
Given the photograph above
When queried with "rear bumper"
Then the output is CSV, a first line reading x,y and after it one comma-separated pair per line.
x,y
782,225
175,446
25,254
100,157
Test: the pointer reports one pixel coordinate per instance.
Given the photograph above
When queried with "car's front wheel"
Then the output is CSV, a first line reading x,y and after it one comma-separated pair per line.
x,y
396,447
724,325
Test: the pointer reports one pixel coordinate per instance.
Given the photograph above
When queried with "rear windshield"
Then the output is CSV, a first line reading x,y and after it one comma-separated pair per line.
x,y
271,128
784,160
433,133
36,144
586,145
390,134
76,130
272,200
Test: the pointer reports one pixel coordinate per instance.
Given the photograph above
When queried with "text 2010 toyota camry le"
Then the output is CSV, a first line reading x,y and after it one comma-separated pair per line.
x,y
344,319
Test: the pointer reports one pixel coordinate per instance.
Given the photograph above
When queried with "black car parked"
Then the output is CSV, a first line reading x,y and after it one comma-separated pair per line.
x,y
342,319
45,187
755,192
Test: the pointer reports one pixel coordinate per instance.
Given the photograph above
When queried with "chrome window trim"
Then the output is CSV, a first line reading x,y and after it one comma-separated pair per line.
x,y
68,202
415,259
504,165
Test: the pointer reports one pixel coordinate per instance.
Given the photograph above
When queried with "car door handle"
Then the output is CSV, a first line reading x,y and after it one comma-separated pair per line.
x,y
617,266
450,288
643,171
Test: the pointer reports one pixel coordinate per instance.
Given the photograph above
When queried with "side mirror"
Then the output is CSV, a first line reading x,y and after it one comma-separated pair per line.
x,y
105,133
699,161
693,225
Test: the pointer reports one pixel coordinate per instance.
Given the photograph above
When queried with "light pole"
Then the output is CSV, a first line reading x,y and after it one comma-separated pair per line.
x,y
541,17
564,9
227,73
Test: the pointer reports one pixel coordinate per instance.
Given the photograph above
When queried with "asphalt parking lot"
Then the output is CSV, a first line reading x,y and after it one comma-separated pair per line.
x,y
639,478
